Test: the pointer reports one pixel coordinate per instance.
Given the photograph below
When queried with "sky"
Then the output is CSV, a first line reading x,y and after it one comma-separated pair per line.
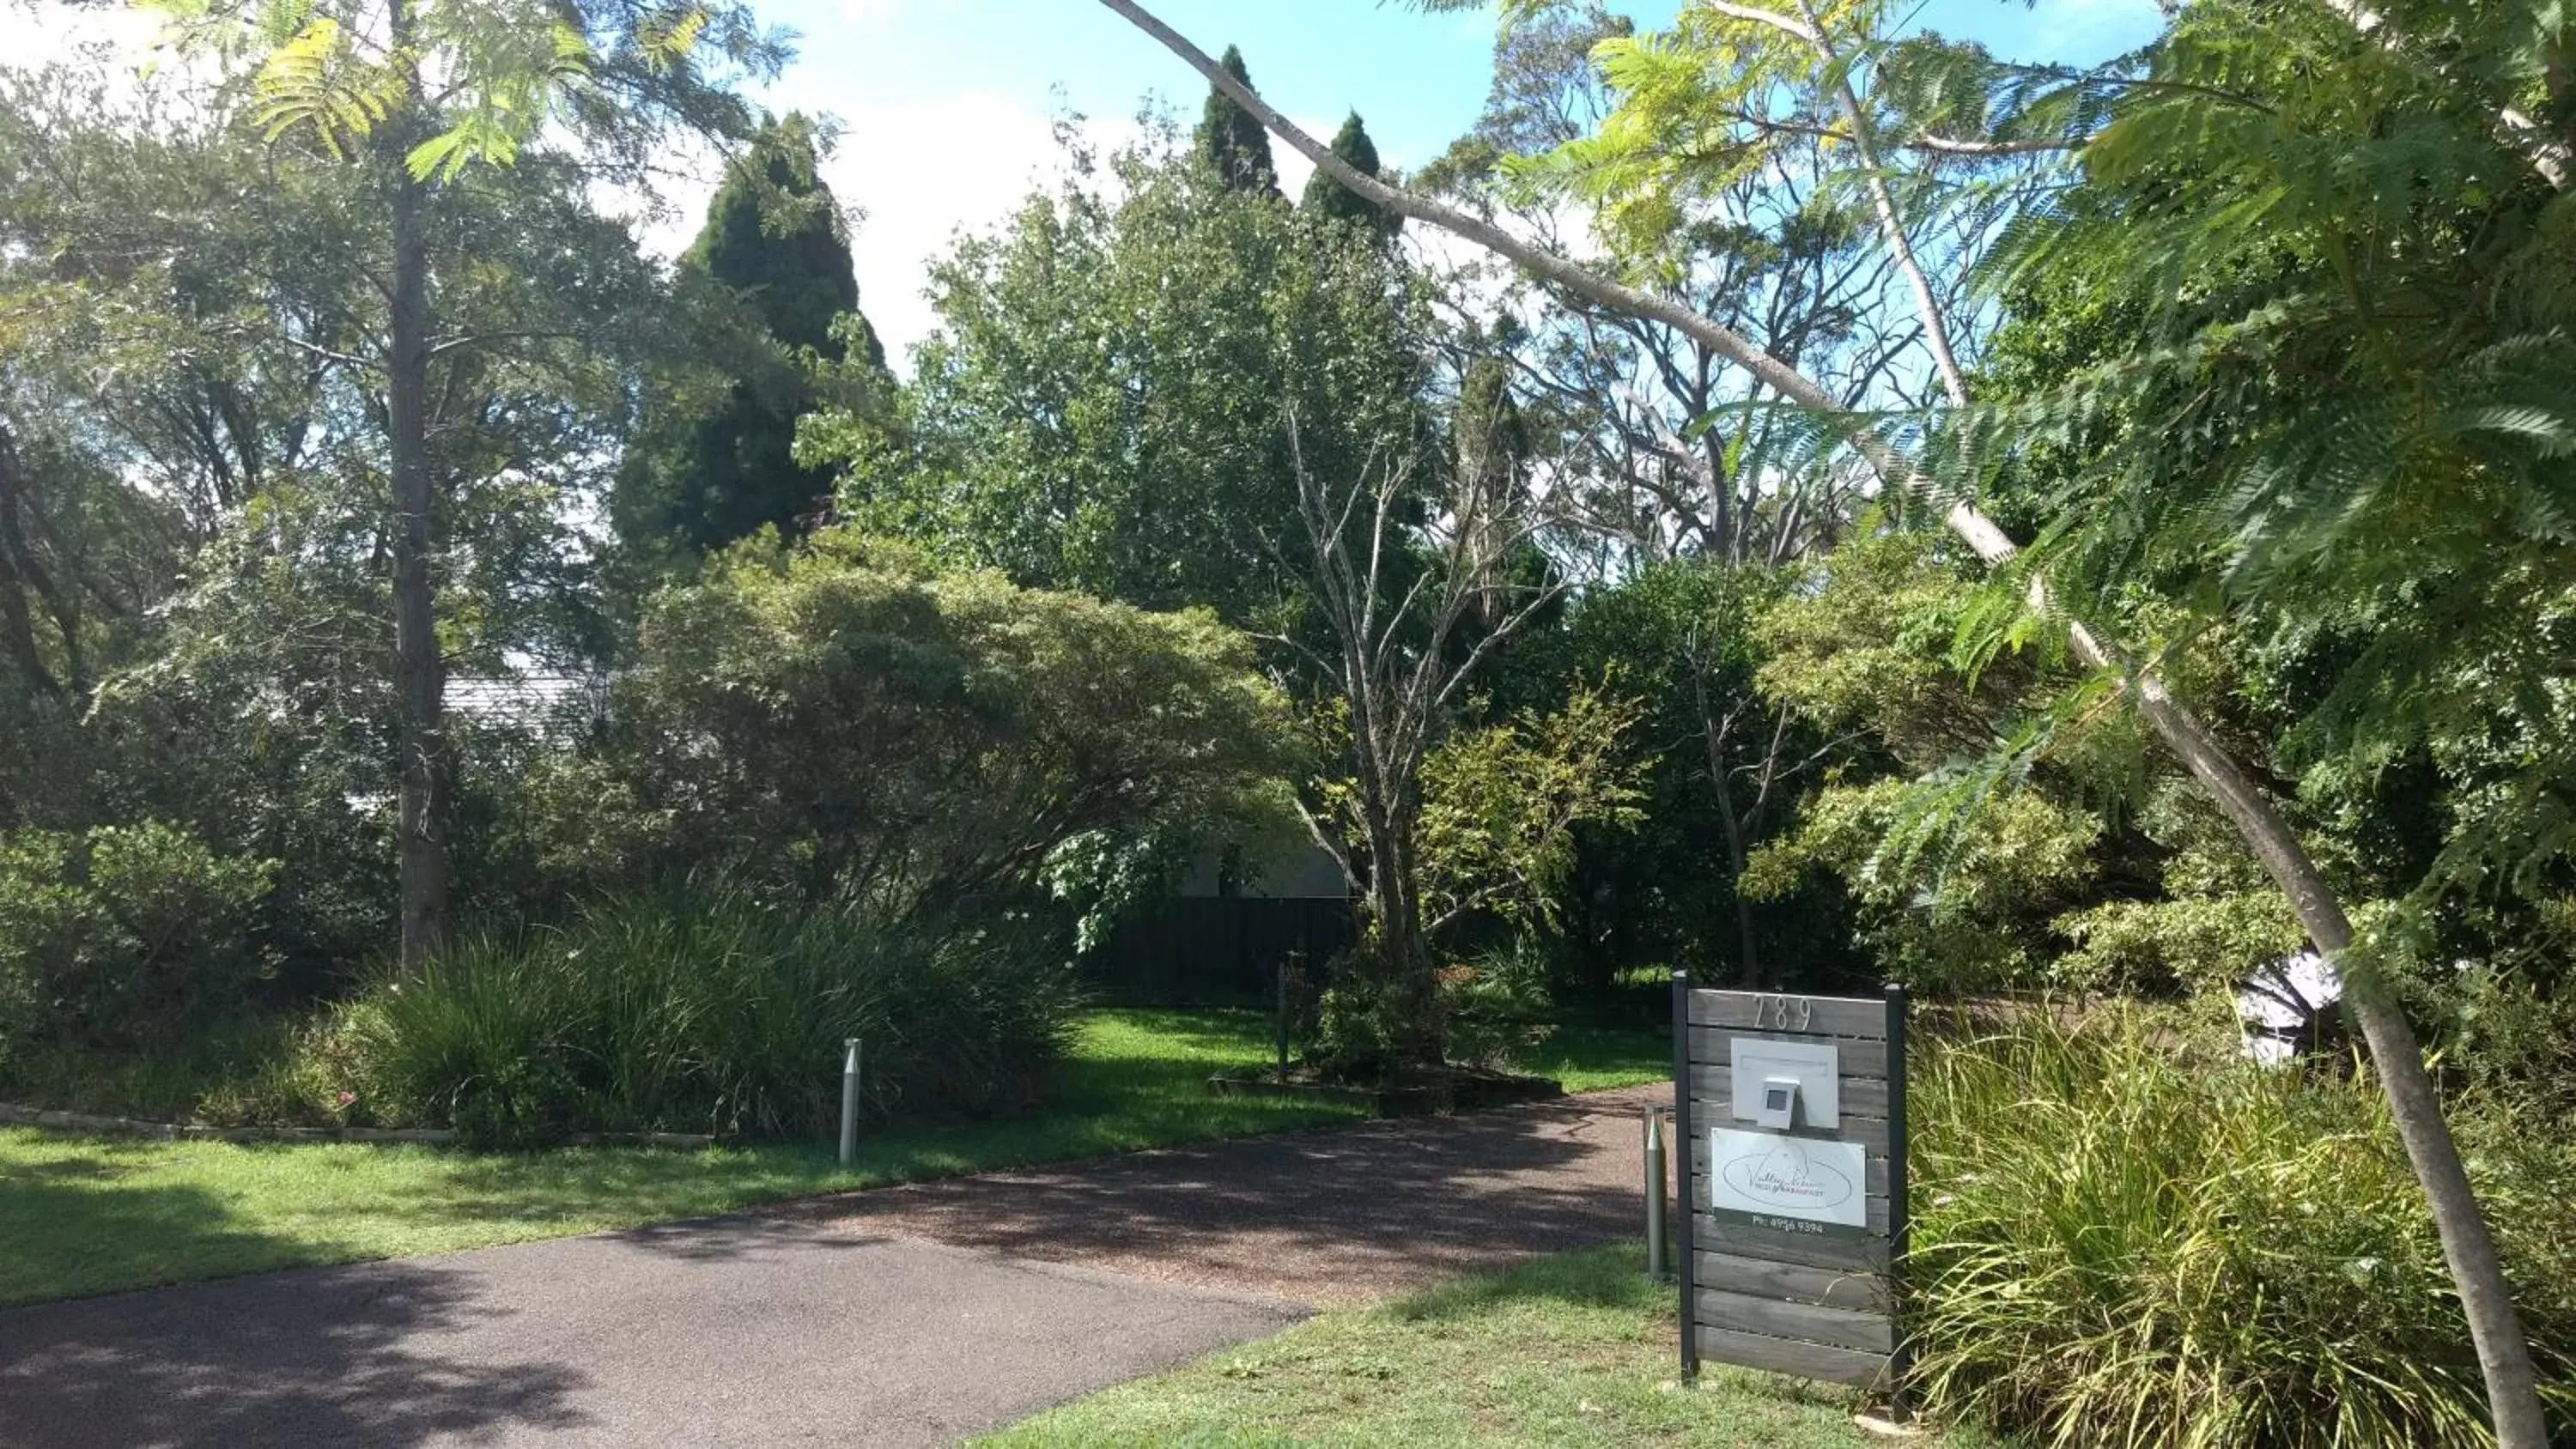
x,y
950,105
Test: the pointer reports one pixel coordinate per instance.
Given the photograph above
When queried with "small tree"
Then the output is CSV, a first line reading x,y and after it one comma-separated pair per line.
x,y
1410,610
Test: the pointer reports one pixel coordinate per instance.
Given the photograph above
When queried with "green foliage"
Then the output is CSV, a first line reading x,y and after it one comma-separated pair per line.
x,y
1491,1013
1232,145
779,336
2122,1241
2029,840
1721,767
1104,405
122,937
706,1010
2315,392
1498,1006
1972,917
1874,644
1501,803
843,720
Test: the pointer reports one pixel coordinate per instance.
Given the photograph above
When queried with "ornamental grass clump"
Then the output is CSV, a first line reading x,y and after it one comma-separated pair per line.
x,y
707,1012
2120,1240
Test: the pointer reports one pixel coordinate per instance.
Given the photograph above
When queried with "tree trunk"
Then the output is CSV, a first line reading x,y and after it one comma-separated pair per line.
x,y
2504,1354
1402,964
17,570
1713,733
419,669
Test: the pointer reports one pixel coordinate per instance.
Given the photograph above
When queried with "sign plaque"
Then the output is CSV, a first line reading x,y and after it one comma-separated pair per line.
x,y
1796,1184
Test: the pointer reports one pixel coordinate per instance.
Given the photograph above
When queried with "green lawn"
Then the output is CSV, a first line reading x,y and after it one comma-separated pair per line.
x,y
90,1215
1565,1351
1591,1058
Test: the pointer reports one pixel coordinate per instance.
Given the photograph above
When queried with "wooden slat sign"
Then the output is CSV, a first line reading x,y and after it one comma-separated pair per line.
x,y
1793,1226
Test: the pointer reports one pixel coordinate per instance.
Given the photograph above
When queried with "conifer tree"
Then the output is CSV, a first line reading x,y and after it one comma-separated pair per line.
x,y
1328,197
711,469
1232,141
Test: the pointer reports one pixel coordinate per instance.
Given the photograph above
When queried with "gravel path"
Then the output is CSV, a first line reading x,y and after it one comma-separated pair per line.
x,y
1331,1217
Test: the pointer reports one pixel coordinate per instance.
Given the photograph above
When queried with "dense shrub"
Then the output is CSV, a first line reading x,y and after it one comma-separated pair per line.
x,y
2121,1241
122,936
706,1011
844,720
1492,1012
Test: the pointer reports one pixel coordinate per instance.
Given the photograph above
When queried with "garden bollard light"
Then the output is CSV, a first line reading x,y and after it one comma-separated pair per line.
x,y
1654,1191
850,1103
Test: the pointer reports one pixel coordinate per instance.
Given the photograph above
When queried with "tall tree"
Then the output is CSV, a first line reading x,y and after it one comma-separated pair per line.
x,y
415,92
1327,197
716,461
1231,141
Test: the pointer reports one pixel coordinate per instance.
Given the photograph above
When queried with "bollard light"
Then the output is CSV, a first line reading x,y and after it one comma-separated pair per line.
x,y
1654,1191
850,1102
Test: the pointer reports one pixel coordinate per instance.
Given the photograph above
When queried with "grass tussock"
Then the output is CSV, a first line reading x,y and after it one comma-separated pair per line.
x,y
705,1013
2121,1242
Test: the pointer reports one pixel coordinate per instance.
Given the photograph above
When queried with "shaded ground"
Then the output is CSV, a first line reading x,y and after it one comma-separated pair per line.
x,y
735,1332
1333,1217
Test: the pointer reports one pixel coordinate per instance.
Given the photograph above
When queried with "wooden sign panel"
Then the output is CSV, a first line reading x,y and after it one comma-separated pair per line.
x,y
1793,1222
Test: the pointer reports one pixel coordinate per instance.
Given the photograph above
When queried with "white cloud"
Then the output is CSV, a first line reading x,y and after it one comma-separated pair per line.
x,y
919,172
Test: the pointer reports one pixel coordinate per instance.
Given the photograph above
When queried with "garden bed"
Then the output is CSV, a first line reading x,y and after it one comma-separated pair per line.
x,y
1427,1094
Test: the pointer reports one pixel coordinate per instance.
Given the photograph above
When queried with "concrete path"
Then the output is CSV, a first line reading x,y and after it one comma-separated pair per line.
x,y
905,1316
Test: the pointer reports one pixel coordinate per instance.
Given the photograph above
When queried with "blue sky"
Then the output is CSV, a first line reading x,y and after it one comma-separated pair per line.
x,y
949,102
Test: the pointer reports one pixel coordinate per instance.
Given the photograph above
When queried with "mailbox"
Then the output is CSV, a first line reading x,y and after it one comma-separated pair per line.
x,y
1781,1085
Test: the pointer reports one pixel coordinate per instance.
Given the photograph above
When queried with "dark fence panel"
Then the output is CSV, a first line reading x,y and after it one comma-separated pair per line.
x,y
1217,950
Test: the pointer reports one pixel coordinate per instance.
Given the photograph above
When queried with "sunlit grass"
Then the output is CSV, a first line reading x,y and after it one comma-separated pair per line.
x,y
1574,1350
96,1215
1594,1058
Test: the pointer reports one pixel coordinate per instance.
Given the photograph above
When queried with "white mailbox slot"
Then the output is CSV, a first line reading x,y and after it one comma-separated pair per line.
x,y
1779,1106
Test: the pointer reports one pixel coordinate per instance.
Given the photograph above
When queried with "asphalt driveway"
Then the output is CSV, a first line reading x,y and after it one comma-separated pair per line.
x,y
734,1332
903,1316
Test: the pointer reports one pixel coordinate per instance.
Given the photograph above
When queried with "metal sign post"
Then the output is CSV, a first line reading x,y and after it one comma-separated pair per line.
x,y
1789,1113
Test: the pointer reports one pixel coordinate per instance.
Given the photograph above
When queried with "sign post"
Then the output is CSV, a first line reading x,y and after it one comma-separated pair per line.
x,y
1791,1110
